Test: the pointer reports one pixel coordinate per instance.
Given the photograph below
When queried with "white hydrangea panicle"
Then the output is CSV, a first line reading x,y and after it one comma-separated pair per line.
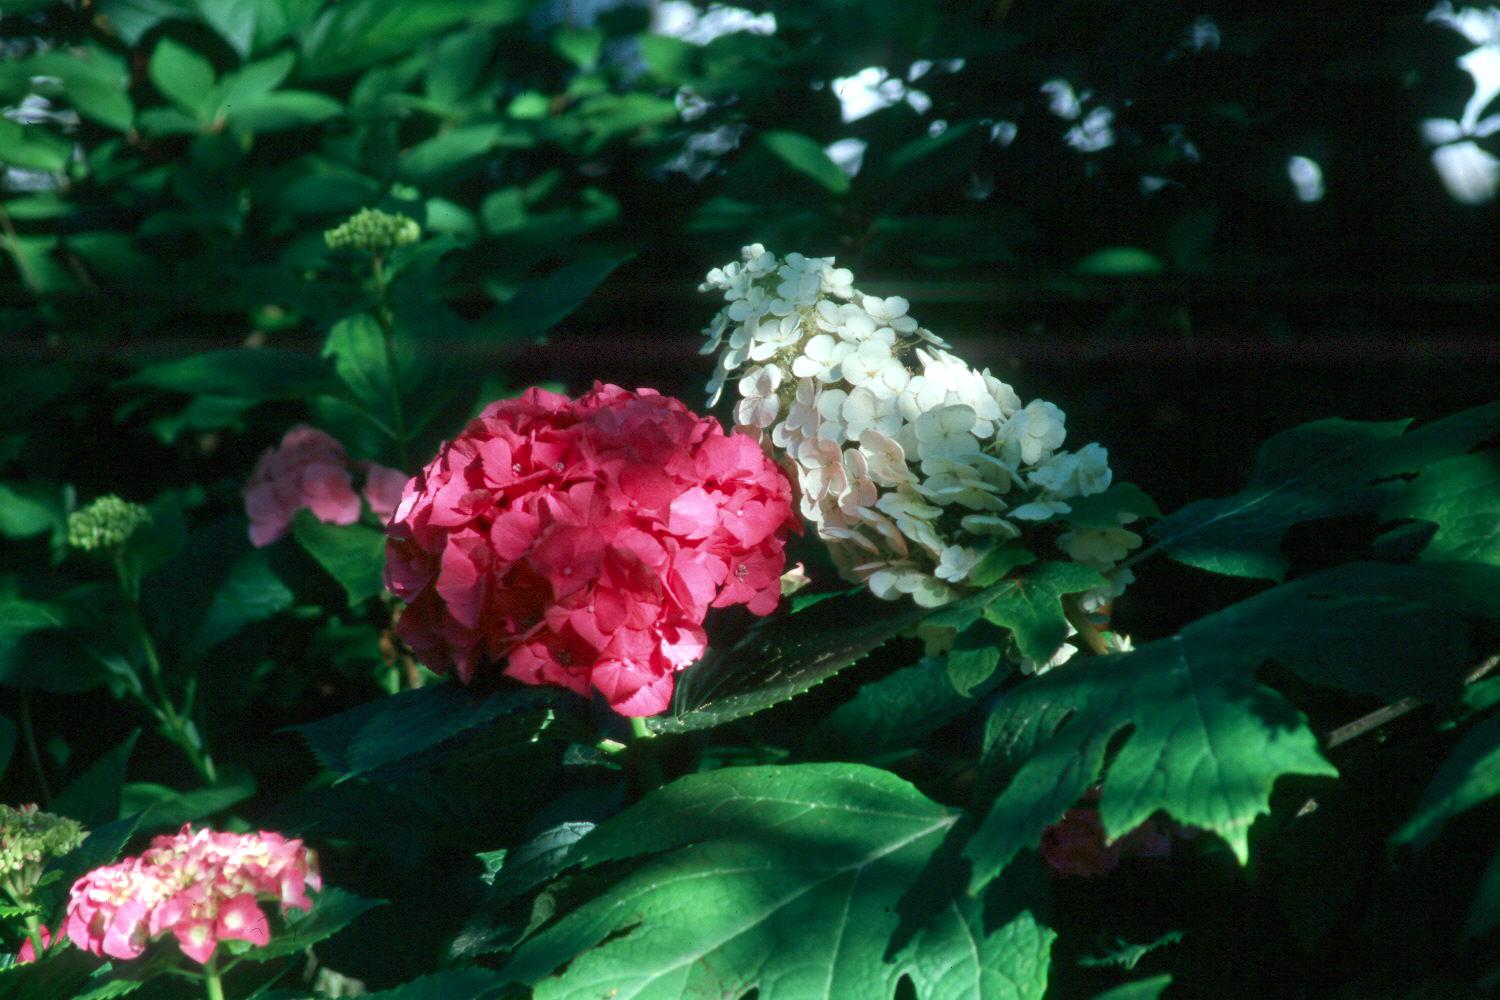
x,y
912,466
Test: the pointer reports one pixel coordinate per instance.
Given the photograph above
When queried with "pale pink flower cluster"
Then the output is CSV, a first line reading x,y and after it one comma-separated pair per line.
x,y
202,888
311,469
583,541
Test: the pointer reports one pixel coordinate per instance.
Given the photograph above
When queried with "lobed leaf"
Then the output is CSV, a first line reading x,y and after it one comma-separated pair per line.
x,y
1323,469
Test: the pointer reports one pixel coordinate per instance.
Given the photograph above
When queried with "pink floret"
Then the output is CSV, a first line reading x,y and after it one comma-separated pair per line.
x,y
27,952
309,469
581,542
201,888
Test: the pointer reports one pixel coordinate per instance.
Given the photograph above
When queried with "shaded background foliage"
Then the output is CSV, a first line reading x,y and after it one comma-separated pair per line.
x,y
1190,225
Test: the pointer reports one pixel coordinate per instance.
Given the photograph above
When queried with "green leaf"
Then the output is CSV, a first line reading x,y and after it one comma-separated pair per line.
x,y
28,509
1205,742
780,658
807,158
1322,469
1030,605
1484,915
96,82
1120,261
64,644
183,76
451,984
542,304
257,374
783,879
412,722
357,346
282,110
251,593
1121,504
356,33
132,19
33,147
161,807
250,26
94,796
1461,495
1469,776
458,148
1141,989
890,714
333,909
353,554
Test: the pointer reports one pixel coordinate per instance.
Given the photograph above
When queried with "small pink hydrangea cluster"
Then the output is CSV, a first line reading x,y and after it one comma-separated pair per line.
x,y
1075,845
202,887
584,541
311,469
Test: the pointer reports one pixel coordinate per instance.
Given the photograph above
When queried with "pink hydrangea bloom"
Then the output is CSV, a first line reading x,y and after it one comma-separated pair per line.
x,y
27,953
583,541
311,469
201,887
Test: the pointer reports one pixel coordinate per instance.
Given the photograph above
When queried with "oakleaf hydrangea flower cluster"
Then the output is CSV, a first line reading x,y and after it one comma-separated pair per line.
x,y
106,523
28,839
583,542
202,888
311,469
912,465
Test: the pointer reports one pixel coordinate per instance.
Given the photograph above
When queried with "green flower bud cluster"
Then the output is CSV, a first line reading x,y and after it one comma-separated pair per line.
x,y
28,838
105,523
373,231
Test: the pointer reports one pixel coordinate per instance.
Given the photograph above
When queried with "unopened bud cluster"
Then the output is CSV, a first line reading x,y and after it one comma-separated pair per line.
x,y
106,523
913,466
28,839
373,231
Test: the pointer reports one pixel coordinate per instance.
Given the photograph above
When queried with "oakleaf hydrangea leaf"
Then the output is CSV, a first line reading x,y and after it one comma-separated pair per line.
x,y
1461,495
1198,736
1030,605
780,879
1323,469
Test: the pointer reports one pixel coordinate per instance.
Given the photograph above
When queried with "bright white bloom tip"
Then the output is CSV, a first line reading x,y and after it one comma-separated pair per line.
x,y
956,563
759,405
1037,429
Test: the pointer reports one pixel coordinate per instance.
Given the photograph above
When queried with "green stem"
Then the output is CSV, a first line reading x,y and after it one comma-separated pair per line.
x,y
213,986
34,931
28,733
648,768
388,334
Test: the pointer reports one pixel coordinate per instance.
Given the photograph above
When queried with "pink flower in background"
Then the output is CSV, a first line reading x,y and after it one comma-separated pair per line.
x,y
583,541
311,469
1075,845
27,953
201,887
383,488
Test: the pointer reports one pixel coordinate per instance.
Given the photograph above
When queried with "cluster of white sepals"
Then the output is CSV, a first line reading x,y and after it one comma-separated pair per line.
x,y
912,465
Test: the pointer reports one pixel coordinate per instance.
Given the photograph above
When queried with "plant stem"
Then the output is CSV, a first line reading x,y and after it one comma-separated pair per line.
x,y
644,755
213,986
34,931
1079,619
388,335
28,733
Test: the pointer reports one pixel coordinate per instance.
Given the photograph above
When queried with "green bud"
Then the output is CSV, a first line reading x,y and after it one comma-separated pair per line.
x,y
373,231
28,839
106,523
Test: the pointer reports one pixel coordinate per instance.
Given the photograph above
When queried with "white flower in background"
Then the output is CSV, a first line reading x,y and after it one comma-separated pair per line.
x,y
759,403
1037,431
1098,547
911,465
679,19
956,562
1470,173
